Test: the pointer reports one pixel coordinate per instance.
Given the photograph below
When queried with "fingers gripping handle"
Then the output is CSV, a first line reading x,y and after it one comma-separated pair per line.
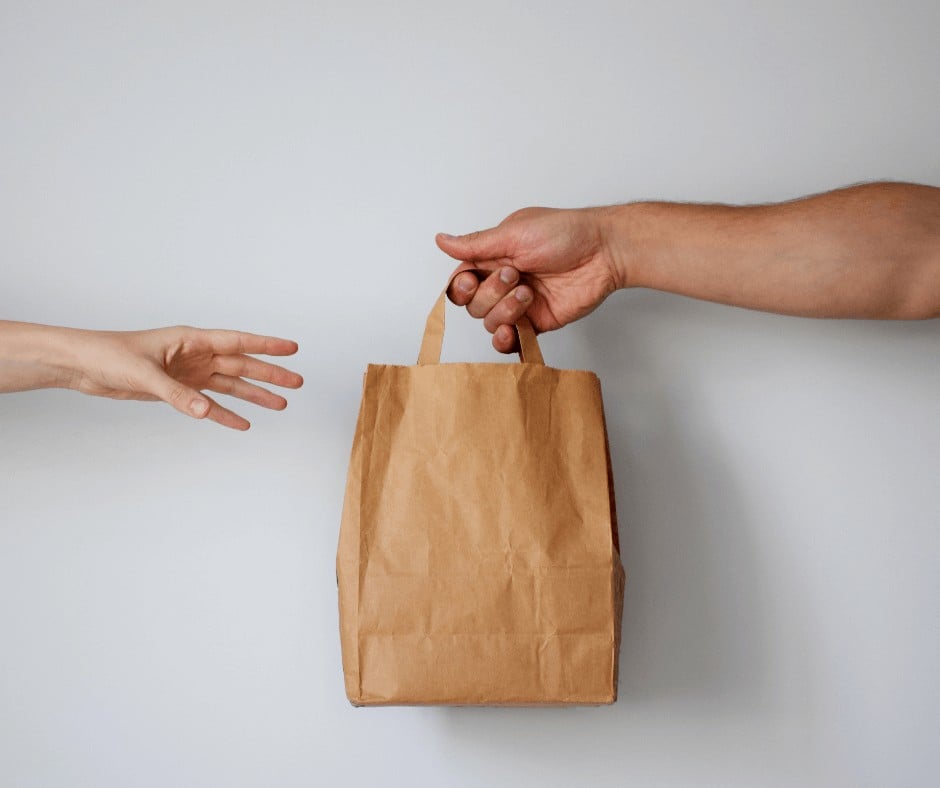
x,y
529,351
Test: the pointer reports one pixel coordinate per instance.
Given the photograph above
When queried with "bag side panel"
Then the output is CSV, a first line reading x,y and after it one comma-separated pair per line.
x,y
348,549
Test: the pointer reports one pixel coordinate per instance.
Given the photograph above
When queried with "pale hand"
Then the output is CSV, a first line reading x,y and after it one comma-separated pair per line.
x,y
177,364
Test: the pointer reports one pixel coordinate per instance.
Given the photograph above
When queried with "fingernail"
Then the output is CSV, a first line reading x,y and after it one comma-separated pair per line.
x,y
448,236
199,407
523,295
508,275
465,284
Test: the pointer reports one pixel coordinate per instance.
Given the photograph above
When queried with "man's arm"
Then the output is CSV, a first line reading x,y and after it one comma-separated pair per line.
x,y
870,251
174,364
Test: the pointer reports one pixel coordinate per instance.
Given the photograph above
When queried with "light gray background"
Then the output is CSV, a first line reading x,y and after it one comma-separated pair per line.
x,y
167,591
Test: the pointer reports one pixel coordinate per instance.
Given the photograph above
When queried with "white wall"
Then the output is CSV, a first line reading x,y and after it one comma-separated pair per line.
x,y
167,594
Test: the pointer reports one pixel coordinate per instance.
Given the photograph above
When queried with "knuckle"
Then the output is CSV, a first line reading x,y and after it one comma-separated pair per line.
x,y
523,213
176,395
512,309
499,315
476,309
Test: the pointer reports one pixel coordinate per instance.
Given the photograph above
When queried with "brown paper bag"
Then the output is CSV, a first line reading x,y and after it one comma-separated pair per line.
x,y
478,559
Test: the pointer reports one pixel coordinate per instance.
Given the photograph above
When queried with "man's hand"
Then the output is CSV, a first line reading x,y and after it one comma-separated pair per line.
x,y
554,265
870,251
170,364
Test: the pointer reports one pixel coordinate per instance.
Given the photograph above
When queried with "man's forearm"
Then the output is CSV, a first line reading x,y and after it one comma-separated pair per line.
x,y
34,357
869,251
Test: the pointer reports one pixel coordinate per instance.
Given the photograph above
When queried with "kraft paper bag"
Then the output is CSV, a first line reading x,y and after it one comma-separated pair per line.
x,y
478,559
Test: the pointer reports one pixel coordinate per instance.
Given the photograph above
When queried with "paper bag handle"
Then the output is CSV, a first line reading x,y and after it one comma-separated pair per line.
x,y
529,350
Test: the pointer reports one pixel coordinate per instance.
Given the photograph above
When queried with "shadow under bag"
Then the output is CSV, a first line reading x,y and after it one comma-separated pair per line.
x,y
478,559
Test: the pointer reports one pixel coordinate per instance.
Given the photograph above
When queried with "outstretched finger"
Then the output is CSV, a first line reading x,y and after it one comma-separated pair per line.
x,y
228,342
240,366
227,418
236,387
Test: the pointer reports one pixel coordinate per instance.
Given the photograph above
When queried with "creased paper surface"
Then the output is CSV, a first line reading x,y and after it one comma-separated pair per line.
x,y
478,557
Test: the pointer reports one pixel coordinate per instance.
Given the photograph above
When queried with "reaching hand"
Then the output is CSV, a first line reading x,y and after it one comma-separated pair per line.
x,y
554,265
176,364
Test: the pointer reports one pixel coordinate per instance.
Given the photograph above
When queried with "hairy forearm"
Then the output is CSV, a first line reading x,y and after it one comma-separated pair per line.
x,y
34,357
870,251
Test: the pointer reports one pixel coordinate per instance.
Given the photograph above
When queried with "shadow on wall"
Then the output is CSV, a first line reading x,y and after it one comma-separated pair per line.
x,y
693,574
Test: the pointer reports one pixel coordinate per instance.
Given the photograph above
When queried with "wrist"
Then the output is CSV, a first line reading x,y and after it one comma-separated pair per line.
x,y
621,242
34,356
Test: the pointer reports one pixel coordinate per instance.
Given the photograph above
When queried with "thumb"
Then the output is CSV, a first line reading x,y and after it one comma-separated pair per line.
x,y
476,247
185,399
